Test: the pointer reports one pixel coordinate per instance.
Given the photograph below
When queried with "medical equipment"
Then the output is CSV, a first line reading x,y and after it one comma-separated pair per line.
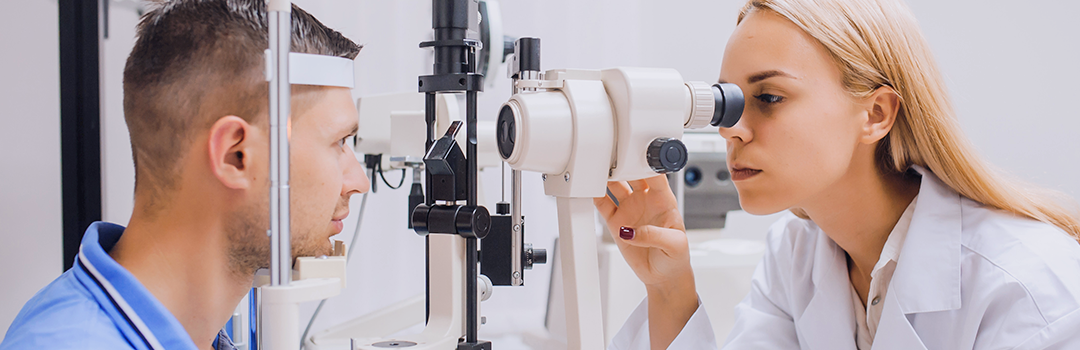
x,y
583,128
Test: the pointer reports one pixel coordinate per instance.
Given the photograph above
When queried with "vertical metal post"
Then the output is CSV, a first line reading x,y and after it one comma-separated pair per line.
x,y
471,248
80,122
280,36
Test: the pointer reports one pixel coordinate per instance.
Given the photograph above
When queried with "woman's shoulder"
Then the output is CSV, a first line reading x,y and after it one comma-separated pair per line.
x,y
1038,262
1001,237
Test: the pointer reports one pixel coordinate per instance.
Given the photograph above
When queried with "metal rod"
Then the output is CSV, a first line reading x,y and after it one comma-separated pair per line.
x,y
517,224
429,116
280,248
472,269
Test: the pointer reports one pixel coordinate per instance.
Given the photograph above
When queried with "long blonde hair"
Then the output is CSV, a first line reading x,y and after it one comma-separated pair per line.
x,y
878,43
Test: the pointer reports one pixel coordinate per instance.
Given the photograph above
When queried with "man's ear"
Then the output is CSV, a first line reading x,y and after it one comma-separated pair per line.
x,y
229,147
883,106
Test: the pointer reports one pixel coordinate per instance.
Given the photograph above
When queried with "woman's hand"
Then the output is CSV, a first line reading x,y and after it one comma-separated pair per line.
x,y
649,230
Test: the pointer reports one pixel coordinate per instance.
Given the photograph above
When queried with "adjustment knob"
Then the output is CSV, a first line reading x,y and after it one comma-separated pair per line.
x,y
666,155
533,256
472,221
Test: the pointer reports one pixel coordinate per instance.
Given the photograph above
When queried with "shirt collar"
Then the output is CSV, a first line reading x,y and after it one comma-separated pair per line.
x,y
927,275
144,313
891,251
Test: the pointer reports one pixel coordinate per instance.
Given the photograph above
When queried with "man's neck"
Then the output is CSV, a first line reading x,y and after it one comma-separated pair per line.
x,y
181,258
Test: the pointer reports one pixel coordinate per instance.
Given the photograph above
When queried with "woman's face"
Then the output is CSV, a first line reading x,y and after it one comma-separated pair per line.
x,y
800,130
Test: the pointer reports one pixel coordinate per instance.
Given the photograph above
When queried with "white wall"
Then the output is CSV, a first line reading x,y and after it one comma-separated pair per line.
x,y
30,218
1011,68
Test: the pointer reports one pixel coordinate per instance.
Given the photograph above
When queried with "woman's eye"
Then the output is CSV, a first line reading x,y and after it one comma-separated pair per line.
x,y
769,98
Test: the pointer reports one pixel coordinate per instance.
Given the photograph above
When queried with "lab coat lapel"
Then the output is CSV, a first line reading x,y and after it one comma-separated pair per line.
x,y
828,322
894,330
927,276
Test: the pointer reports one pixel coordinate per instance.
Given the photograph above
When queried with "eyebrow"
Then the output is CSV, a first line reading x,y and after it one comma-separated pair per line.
x,y
757,77
355,129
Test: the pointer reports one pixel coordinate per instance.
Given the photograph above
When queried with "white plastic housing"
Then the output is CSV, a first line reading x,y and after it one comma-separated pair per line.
x,y
584,122
649,103
543,137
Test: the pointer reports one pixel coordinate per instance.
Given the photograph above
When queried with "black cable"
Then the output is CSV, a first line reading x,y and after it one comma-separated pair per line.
x,y
402,182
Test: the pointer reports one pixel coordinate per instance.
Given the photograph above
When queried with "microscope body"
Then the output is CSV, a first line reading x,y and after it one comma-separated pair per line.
x,y
582,128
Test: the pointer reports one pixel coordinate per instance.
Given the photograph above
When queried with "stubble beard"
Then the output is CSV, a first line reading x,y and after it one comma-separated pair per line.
x,y
249,244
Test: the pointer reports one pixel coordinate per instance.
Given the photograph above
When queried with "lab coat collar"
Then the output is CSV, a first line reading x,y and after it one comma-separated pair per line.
x,y
829,314
142,317
927,276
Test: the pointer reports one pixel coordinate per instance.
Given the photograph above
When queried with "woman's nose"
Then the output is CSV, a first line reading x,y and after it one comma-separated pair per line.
x,y
738,132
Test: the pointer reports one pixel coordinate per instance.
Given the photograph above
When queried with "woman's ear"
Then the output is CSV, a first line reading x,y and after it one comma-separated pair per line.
x,y
884,105
229,147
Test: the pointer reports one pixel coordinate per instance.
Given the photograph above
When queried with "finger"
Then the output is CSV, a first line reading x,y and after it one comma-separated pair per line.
x,y
638,185
669,240
657,181
605,206
619,189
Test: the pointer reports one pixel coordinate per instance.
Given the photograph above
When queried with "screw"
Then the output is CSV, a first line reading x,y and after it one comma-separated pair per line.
x,y
543,177
566,177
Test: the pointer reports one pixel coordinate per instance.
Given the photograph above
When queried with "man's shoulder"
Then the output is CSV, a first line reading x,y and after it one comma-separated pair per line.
x,y
63,315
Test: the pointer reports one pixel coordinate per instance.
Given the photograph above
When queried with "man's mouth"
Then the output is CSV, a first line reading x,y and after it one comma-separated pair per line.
x,y
338,226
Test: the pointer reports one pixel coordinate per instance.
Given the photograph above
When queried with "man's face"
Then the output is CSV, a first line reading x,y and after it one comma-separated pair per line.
x,y
324,171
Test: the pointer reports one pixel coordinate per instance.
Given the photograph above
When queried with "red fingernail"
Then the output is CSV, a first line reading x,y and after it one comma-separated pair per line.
x,y
626,233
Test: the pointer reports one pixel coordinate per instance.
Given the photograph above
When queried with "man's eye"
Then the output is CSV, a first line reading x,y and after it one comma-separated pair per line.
x,y
769,98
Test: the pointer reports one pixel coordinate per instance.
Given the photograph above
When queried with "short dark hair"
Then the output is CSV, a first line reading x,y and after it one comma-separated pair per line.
x,y
195,61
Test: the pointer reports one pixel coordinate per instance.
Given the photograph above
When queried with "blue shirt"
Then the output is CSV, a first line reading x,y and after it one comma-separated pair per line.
x,y
97,304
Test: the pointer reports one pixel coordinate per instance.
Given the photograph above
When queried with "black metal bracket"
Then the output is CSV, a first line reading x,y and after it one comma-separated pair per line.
x,y
460,82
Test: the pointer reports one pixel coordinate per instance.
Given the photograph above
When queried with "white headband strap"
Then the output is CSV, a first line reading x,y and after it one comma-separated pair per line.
x,y
322,70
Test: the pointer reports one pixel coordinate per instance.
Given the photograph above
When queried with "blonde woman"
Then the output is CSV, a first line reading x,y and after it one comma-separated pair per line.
x,y
900,236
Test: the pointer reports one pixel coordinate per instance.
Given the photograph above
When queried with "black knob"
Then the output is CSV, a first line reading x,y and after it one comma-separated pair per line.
x,y
728,105
505,129
472,221
533,256
666,155
528,53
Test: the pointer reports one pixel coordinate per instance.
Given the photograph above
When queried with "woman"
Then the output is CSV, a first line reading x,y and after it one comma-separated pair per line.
x,y
900,236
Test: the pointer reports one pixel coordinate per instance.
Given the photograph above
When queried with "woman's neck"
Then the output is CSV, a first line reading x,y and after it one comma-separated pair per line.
x,y
859,212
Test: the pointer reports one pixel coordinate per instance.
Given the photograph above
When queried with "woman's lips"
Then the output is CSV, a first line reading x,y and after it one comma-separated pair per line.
x,y
739,174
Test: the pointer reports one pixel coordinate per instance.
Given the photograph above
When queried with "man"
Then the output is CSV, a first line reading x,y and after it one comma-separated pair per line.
x,y
195,102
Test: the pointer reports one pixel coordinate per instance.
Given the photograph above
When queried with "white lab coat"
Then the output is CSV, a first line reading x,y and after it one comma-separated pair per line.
x,y
968,277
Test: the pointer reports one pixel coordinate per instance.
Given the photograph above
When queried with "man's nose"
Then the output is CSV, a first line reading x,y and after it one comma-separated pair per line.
x,y
355,179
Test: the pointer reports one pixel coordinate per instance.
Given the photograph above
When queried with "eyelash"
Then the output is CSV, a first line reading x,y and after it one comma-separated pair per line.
x,y
769,98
